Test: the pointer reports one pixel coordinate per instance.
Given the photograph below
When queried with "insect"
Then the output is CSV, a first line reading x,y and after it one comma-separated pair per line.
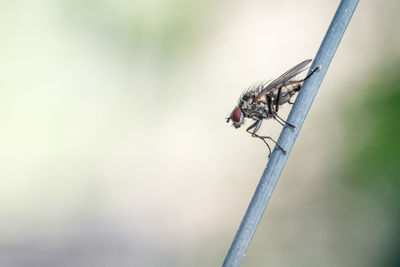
x,y
262,100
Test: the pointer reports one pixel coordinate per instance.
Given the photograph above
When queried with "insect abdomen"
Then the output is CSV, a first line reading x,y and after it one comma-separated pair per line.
x,y
287,91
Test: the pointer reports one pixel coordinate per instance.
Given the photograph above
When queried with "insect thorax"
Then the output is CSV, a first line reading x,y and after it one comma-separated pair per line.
x,y
251,109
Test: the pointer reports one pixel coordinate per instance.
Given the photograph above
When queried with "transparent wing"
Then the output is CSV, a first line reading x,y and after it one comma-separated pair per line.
x,y
256,87
286,76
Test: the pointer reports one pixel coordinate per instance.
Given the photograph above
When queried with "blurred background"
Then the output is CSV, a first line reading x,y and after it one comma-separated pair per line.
x,y
115,151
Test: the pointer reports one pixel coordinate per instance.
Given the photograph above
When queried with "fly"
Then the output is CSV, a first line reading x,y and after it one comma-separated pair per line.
x,y
262,100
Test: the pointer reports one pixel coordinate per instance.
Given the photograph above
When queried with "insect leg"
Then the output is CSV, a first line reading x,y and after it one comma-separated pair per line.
x,y
270,138
301,81
257,126
312,72
269,104
252,126
278,120
269,148
277,99
291,125
283,122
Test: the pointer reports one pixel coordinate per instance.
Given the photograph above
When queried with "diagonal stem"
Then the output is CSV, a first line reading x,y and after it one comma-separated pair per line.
x,y
288,135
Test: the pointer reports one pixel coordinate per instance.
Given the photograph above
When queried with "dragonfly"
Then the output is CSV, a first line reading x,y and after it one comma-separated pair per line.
x,y
262,100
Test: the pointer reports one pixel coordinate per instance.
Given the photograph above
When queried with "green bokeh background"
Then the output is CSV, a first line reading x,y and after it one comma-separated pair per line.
x,y
372,167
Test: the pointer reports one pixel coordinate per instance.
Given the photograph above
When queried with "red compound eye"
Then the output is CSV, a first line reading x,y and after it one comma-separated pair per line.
x,y
236,114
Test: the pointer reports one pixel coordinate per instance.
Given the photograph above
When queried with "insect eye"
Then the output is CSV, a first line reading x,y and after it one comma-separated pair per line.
x,y
236,114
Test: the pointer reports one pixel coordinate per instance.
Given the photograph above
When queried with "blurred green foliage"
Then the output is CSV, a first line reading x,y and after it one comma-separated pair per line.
x,y
163,29
374,145
374,136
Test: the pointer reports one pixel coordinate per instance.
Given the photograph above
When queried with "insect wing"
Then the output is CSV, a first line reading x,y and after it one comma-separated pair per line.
x,y
256,88
286,76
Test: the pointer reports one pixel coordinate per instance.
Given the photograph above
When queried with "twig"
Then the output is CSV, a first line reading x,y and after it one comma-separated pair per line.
x,y
289,134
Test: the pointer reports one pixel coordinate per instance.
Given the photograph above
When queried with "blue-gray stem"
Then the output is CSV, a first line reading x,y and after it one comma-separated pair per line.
x,y
288,135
